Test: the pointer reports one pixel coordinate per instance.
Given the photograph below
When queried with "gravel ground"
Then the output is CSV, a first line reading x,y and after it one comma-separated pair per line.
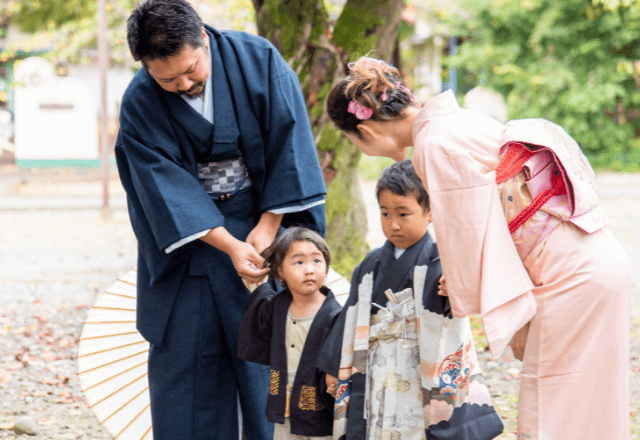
x,y
55,262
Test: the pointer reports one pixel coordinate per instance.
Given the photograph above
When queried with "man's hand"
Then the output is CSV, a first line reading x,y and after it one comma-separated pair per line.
x,y
332,384
265,231
442,287
246,261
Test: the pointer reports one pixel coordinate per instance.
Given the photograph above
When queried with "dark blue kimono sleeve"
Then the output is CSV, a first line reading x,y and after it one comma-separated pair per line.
x,y
277,140
293,172
172,199
254,335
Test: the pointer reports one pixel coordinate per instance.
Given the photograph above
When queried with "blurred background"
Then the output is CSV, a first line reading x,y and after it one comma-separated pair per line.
x,y
65,64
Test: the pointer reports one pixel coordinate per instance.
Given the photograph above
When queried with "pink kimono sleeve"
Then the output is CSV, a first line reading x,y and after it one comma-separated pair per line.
x,y
455,156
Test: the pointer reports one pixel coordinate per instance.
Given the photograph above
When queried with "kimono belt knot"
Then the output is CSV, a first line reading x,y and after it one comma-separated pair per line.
x,y
401,314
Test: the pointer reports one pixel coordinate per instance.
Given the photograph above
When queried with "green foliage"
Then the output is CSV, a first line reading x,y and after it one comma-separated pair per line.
x,y
68,29
575,62
288,21
344,223
353,30
370,167
39,15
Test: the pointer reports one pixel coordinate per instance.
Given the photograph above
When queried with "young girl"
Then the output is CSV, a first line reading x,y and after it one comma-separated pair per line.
x,y
286,330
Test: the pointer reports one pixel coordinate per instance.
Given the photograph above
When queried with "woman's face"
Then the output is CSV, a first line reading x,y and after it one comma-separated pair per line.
x,y
377,143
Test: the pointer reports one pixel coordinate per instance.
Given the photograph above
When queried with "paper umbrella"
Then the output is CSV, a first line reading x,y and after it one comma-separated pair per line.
x,y
112,359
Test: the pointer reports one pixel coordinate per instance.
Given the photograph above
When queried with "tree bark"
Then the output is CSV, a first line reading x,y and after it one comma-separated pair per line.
x,y
301,30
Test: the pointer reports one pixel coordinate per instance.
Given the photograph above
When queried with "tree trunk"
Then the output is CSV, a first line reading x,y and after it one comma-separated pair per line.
x,y
301,30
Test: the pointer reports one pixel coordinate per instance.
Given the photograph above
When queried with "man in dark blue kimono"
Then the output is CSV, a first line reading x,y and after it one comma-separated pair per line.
x,y
216,153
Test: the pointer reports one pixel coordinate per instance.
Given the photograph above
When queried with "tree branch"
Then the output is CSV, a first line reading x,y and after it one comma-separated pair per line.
x,y
257,4
306,34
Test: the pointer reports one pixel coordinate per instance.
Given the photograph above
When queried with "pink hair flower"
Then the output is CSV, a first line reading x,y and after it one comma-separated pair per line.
x,y
384,94
360,111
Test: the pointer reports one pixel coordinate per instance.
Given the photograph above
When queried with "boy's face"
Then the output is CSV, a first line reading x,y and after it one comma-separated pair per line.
x,y
404,221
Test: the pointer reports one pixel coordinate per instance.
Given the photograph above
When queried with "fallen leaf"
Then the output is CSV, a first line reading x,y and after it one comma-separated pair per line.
x,y
67,397
46,422
47,381
8,425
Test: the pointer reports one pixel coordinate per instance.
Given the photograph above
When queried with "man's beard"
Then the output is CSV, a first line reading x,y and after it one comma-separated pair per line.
x,y
197,87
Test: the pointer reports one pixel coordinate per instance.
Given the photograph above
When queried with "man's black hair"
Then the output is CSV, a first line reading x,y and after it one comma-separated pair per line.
x,y
401,179
160,29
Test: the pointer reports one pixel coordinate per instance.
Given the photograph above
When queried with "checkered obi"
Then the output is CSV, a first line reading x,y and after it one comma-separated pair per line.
x,y
224,178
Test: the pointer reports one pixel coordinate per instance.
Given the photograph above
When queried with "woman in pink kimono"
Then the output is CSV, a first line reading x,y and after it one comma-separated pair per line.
x,y
523,242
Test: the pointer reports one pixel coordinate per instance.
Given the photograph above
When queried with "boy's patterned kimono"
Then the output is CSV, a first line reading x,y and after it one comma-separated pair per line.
x,y
454,401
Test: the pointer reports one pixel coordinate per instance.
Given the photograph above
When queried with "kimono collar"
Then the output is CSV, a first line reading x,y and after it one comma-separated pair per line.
x,y
392,271
323,289
440,105
224,129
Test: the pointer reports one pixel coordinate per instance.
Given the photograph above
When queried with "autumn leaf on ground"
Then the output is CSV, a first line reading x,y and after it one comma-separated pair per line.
x,y
46,422
63,379
67,397
65,343
8,425
47,381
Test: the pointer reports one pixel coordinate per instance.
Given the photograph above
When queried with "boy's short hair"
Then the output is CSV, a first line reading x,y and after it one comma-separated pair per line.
x,y
401,179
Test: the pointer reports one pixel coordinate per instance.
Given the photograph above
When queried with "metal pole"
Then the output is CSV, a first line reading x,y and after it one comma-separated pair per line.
x,y
453,71
103,65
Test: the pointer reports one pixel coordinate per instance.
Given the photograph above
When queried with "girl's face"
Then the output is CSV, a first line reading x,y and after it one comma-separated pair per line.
x,y
379,145
303,268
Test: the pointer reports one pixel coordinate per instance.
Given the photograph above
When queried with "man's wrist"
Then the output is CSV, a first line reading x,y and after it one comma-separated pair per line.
x,y
221,239
270,222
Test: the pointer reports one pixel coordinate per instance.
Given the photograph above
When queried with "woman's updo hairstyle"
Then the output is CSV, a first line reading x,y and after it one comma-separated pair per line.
x,y
377,91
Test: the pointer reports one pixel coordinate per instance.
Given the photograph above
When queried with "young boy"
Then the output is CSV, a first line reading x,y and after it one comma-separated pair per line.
x,y
405,367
